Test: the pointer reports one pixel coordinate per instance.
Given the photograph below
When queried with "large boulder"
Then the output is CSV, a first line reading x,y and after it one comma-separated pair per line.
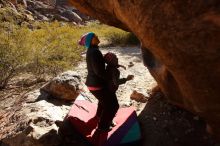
x,y
66,86
180,45
32,120
72,16
15,2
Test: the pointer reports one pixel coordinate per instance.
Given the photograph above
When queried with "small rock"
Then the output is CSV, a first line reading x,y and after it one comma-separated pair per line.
x,y
131,64
139,97
126,104
154,118
72,16
65,86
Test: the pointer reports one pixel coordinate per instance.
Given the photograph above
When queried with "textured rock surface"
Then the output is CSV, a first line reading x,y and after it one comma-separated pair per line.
x,y
31,120
65,86
180,44
46,10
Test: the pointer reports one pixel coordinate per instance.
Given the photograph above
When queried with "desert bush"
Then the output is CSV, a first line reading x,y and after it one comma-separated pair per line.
x,y
54,49
113,35
48,48
14,53
122,39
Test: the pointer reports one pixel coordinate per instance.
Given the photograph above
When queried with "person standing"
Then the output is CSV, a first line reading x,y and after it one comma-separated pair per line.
x,y
96,82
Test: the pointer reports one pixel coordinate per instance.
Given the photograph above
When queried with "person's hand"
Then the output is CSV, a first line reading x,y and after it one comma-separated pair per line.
x,y
130,77
122,66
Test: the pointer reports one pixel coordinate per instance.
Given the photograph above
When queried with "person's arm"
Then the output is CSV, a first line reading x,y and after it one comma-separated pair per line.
x,y
98,64
124,80
116,77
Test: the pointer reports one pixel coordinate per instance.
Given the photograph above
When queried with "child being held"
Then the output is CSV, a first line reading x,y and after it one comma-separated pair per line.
x,y
113,77
113,74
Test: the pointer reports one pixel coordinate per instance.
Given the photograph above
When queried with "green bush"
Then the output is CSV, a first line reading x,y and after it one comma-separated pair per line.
x,y
122,39
48,48
54,48
14,53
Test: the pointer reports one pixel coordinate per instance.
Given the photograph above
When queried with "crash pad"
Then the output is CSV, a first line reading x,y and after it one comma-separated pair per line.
x,y
126,131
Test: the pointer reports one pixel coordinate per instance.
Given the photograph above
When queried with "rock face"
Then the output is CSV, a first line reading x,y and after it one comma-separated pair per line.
x,y
66,86
53,11
32,121
46,10
180,45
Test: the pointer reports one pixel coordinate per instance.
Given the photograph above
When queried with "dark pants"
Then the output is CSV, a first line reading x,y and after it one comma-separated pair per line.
x,y
107,107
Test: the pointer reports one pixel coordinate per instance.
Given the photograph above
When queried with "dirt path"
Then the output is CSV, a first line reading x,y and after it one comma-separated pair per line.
x,y
162,124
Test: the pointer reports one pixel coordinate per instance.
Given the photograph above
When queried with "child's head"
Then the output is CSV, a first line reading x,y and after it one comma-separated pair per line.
x,y
89,39
111,59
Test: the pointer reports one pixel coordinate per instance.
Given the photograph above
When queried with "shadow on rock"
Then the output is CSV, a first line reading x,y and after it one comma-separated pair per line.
x,y
55,101
164,124
42,95
69,136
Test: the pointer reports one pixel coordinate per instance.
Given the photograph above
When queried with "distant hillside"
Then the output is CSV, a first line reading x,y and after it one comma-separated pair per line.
x,y
33,10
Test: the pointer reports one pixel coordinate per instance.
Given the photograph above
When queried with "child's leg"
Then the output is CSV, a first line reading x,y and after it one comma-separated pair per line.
x,y
114,106
110,108
109,104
